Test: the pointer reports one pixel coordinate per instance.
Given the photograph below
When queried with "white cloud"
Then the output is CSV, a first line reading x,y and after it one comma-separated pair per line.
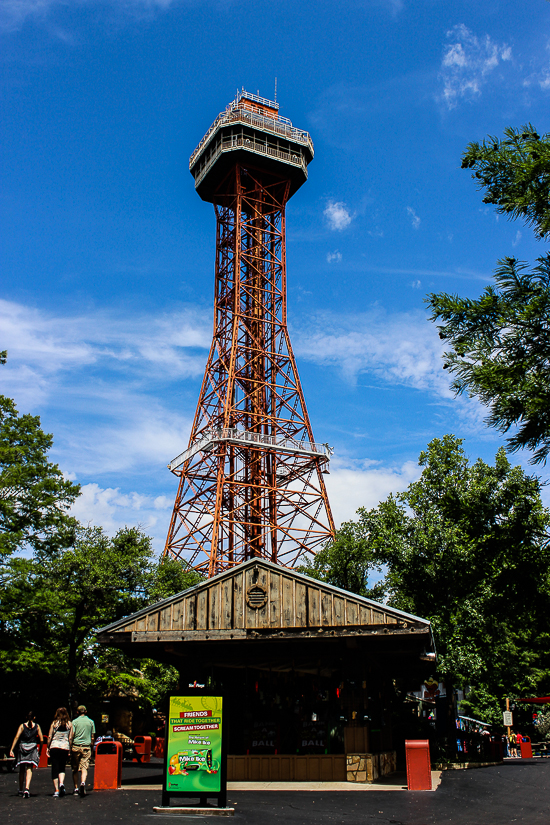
x,y
114,392
112,510
334,257
416,284
517,239
338,215
401,348
541,76
44,347
13,13
103,379
415,220
376,232
467,62
123,432
351,487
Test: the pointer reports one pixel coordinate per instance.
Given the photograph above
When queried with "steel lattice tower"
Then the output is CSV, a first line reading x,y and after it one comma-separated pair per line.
x,y
251,481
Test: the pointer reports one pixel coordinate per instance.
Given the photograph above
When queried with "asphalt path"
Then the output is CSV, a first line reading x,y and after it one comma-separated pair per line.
x,y
516,792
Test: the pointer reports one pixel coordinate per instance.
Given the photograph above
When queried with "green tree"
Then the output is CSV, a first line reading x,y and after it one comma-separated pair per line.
x,y
515,174
348,561
500,343
52,606
168,577
470,552
501,351
543,728
34,496
95,582
62,581
466,546
109,672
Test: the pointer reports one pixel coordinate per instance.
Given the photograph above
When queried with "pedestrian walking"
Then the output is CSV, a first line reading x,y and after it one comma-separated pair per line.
x,y
519,740
512,740
59,748
81,741
27,737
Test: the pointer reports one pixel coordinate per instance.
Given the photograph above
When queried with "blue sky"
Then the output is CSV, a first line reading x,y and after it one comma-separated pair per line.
x,y
108,253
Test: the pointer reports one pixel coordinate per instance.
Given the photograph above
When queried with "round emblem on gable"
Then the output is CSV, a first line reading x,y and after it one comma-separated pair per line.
x,y
256,596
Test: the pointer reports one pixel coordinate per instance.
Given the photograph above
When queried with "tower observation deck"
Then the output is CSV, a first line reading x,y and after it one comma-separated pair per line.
x,y
252,477
250,130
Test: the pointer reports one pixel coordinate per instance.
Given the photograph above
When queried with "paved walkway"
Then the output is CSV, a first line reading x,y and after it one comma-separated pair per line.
x,y
395,782
516,792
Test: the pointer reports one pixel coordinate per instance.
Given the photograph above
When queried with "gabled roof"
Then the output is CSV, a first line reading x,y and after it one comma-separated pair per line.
x,y
255,598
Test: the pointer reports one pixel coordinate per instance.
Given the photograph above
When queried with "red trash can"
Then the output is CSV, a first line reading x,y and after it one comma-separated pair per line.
x,y
142,745
159,747
419,772
108,766
43,761
525,748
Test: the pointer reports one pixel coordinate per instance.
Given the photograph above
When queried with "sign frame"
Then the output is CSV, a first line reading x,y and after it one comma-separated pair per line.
x,y
220,795
507,719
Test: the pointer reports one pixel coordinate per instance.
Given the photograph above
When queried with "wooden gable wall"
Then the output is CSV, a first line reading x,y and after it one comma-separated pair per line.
x,y
291,603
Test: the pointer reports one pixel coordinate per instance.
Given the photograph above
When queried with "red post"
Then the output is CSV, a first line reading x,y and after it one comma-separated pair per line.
x,y
43,761
419,773
108,766
142,745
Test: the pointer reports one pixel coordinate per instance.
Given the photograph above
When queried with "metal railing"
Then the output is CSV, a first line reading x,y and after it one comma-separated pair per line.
x,y
281,443
240,115
265,101
228,144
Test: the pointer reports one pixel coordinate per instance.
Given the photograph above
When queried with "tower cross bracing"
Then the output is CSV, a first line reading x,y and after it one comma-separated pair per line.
x,y
252,478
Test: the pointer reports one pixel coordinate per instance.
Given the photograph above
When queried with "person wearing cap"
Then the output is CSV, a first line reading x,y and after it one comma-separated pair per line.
x,y
82,739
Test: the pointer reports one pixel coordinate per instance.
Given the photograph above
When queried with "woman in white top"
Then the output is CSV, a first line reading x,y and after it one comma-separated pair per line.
x,y
58,749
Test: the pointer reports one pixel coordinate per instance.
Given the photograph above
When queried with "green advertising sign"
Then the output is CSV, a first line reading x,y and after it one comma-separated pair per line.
x,y
194,745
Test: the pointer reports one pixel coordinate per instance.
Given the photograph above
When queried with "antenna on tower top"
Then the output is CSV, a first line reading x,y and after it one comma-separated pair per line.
x,y
275,98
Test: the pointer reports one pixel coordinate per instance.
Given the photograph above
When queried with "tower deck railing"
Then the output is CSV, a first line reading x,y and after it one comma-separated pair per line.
x,y
235,142
268,124
242,437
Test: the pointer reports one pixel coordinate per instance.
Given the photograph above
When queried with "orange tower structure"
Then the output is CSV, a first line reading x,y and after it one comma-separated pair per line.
x,y
251,480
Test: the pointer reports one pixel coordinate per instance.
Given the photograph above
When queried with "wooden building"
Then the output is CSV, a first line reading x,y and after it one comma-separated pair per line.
x,y
311,673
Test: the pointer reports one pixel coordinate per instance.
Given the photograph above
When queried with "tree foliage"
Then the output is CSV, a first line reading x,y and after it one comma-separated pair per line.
x,y
168,577
347,562
501,350
543,727
34,496
500,343
466,546
515,173
62,581
52,607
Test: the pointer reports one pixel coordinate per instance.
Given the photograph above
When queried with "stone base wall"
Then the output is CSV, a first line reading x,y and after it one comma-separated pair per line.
x,y
368,767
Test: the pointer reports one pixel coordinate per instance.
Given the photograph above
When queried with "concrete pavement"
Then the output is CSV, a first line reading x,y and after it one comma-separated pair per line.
x,y
516,792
